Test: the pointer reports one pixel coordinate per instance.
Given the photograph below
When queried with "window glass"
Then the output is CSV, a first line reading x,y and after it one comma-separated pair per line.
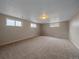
x,y
10,22
18,23
33,25
54,25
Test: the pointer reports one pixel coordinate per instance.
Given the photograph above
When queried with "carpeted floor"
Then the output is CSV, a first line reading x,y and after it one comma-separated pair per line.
x,y
42,47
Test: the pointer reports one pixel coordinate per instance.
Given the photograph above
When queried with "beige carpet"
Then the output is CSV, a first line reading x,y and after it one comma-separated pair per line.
x,y
42,47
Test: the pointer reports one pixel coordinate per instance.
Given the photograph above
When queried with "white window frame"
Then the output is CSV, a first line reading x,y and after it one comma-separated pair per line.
x,y
15,23
33,25
18,23
54,25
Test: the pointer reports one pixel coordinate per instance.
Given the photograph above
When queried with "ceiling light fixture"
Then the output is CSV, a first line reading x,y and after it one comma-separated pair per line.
x,y
44,16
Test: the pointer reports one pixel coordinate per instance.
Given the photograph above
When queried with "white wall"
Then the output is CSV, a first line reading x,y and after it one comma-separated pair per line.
x,y
59,32
74,30
9,34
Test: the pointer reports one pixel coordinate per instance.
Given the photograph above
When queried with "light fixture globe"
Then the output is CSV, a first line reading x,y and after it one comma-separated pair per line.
x,y
44,16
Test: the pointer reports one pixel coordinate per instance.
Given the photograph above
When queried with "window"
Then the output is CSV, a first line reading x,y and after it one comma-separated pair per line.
x,y
33,25
18,23
54,25
10,22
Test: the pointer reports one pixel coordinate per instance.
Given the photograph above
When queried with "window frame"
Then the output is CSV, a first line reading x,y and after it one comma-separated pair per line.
x,y
18,23
33,25
54,25
15,22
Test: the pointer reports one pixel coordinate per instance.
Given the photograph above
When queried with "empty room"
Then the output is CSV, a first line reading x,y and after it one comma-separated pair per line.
x,y
39,29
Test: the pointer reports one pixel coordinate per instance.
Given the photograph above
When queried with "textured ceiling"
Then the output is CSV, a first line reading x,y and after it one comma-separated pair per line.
x,y
57,10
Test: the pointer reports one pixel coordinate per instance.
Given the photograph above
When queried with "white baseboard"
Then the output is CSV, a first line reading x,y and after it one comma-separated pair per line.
x,y
5,43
